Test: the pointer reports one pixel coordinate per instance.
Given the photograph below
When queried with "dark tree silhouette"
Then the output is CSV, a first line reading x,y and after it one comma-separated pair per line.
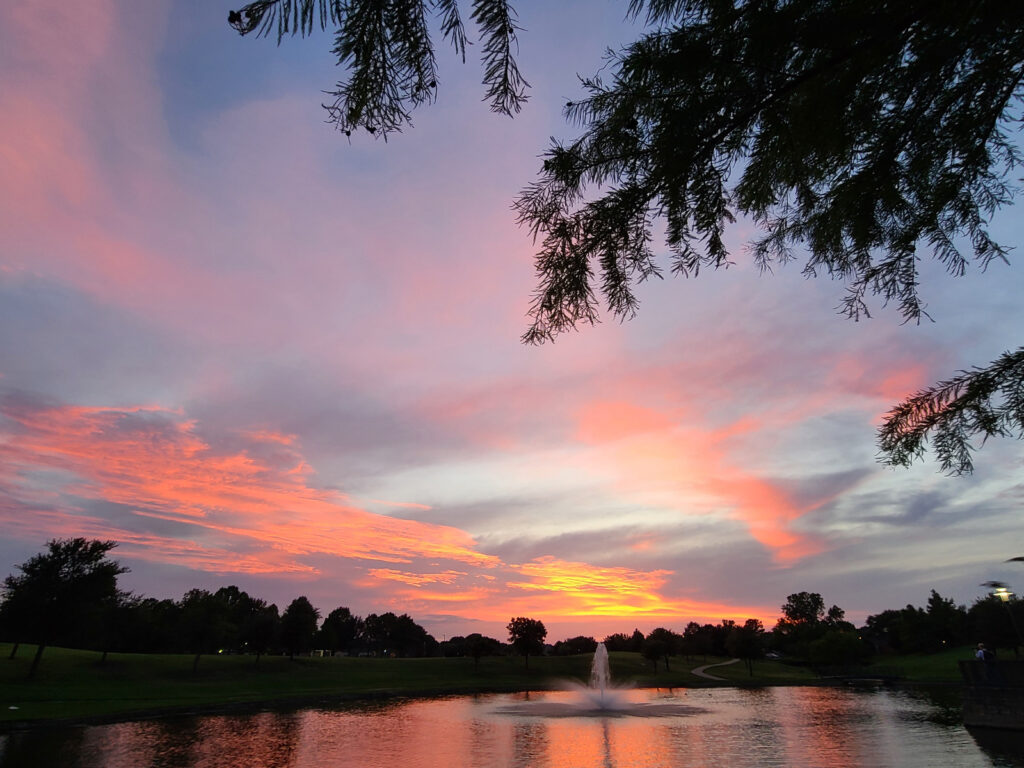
x,y
261,627
864,135
746,643
60,589
575,645
527,637
388,55
805,622
661,643
298,626
478,645
391,635
803,608
340,630
204,623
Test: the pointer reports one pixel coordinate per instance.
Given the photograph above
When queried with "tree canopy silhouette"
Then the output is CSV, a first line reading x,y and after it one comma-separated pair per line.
x,y
862,136
527,636
60,588
387,51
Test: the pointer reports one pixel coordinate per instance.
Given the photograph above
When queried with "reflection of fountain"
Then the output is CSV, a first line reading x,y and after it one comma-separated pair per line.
x,y
601,698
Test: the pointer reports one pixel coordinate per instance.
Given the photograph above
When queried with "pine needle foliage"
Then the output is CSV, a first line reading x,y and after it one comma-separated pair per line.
x,y
859,133
385,47
862,135
983,401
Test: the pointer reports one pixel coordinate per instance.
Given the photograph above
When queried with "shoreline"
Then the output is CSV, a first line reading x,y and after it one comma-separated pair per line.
x,y
328,701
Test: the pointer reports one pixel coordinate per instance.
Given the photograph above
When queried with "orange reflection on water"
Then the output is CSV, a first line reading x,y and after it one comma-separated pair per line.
x,y
791,727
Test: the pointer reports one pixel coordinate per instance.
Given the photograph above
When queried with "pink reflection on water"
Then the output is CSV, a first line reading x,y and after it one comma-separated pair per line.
x,y
789,727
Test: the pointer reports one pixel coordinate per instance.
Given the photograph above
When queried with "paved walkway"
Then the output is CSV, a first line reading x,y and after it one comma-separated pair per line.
x,y
701,671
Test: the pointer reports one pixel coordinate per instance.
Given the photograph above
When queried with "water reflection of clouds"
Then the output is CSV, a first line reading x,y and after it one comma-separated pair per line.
x,y
789,727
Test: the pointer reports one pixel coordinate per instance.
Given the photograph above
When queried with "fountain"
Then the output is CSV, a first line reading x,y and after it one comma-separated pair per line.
x,y
600,695
600,674
600,698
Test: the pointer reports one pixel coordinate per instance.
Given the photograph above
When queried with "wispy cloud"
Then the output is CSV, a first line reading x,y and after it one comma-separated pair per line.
x,y
258,512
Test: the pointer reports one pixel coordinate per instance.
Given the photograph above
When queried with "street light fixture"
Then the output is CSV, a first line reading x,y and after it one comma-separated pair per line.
x,y
1002,591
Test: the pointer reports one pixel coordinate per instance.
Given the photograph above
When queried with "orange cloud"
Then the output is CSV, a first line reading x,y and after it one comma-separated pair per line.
x,y
241,512
153,461
415,579
662,459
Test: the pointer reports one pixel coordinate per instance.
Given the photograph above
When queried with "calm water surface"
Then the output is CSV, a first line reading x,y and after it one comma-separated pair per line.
x,y
718,727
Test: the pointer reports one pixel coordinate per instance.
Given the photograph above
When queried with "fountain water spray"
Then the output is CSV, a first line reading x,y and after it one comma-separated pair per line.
x,y
601,699
600,674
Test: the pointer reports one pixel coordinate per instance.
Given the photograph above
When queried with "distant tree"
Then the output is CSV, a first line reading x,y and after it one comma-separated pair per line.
x,y
882,631
698,639
527,637
804,620
204,623
60,589
918,630
109,622
803,608
719,634
747,643
377,632
661,643
478,645
838,647
154,626
454,646
390,635
654,650
636,641
836,617
947,620
996,623
238,606
298,626
575,645
260,628
340,630
618,641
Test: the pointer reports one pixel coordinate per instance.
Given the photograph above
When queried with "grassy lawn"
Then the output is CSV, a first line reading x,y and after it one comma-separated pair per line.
x,y
74,684
938,667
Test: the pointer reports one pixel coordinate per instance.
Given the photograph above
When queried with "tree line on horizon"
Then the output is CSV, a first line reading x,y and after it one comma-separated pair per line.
x,y
68,596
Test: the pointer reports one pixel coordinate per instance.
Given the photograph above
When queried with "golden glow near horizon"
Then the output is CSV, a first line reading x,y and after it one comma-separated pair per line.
x,y
152,461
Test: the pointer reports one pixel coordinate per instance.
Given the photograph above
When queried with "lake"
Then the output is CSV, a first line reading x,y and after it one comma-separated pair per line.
x,y
687,727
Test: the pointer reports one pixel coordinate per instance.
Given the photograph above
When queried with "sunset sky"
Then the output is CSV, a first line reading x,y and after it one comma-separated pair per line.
x,y
255,352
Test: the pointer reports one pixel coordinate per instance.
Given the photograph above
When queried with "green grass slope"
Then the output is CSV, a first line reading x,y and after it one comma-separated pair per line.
x,y
73,684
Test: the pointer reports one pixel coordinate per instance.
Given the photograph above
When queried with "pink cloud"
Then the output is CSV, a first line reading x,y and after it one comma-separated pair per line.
x,y
241,514
153,461
670,459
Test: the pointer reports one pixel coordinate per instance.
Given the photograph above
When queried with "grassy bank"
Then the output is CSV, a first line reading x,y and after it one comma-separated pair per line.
x,y
74,684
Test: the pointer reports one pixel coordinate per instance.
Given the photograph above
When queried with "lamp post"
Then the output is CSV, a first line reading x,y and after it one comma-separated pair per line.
x,y
1002,591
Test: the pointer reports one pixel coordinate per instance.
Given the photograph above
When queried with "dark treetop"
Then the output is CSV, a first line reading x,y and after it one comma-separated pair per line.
x,y
861,135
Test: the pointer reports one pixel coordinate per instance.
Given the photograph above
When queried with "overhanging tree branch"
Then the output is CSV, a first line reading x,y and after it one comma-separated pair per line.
x,y
983,401
386,49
